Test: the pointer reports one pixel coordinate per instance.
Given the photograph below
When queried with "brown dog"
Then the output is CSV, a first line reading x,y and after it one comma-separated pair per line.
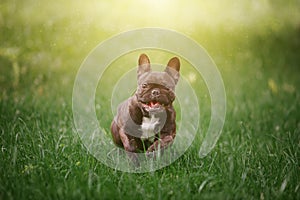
x,y
146,121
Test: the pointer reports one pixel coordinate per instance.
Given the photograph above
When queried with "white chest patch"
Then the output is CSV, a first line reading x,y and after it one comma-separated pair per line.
x,y
148,127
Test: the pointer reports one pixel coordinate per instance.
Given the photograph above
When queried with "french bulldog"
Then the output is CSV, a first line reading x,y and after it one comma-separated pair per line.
x,y
146,121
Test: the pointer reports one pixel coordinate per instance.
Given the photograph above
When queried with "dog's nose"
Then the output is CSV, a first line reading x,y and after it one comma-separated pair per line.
x,y
155,92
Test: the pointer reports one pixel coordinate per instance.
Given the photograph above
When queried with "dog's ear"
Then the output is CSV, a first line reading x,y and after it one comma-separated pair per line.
x,y
173,68
144,65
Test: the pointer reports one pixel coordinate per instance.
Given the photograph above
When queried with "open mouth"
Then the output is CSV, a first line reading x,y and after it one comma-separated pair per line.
x,y
152,104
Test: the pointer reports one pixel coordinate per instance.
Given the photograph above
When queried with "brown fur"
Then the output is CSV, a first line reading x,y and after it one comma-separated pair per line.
x,y
152,87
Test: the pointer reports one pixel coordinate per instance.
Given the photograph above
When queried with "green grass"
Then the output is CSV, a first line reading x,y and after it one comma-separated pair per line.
x,y
41,156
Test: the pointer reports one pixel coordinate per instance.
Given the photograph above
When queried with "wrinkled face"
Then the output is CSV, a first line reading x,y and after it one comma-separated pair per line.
x,y
154,97
156,89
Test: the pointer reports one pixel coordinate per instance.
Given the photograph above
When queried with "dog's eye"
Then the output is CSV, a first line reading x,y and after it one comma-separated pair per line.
x,y
144,85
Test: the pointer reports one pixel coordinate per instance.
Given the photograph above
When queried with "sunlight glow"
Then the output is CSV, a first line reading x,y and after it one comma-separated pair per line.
x,y
119,16
176,14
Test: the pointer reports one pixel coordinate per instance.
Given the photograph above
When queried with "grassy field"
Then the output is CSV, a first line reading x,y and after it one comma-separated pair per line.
x,y
43,43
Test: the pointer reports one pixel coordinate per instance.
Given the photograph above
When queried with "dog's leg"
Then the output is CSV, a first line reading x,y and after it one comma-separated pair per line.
x,y
161,144
129,146
125,141
115,134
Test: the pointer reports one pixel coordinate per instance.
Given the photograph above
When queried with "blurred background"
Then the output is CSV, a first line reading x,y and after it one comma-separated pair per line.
x,y
45,40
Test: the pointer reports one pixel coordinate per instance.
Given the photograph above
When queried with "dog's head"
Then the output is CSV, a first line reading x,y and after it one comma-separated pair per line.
x,y
156,89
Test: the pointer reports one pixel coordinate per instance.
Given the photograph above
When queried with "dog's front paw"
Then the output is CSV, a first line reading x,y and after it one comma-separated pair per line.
x,y
151,148
150,154
155,146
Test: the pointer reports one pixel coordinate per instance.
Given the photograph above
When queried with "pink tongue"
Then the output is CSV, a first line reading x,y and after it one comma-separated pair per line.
x,y
151,104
